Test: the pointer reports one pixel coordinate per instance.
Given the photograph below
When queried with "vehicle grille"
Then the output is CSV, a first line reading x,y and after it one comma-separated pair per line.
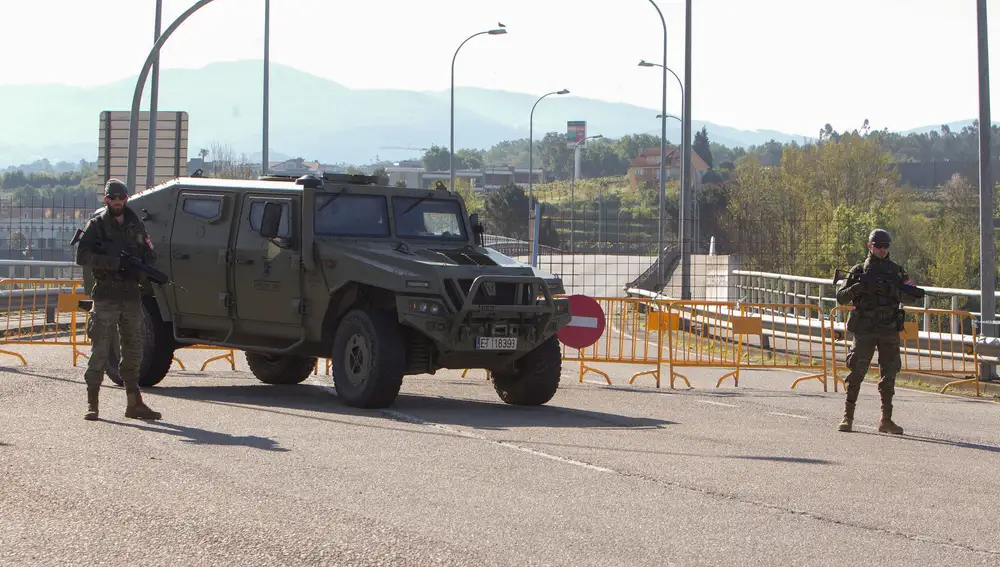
x,y
506,293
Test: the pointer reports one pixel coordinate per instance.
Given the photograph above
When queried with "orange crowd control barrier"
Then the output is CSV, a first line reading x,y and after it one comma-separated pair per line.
x,y
31,313
944,347
748,336
46,312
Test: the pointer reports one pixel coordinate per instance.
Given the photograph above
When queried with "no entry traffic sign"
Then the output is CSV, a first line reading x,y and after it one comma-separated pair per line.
x,y
587,324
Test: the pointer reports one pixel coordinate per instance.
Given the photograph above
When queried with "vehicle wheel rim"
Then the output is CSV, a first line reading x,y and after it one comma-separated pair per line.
x,y
357,360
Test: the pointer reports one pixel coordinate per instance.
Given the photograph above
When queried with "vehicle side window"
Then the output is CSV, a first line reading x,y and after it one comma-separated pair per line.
x,y
351,215
257,213
203,208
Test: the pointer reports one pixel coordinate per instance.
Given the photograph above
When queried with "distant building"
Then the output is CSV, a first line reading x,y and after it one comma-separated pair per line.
x,y
486,178
645,168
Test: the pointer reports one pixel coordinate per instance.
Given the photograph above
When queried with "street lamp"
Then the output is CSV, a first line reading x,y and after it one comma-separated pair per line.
x,y
682,192
531,154
451,155
663,152
153,103
133,128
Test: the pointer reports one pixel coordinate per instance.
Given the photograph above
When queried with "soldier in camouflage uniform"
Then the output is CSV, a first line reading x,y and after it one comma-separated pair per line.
x,y
875,322
117,296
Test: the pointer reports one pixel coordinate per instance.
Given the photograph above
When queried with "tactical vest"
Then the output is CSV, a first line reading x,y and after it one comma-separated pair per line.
x,y
874,312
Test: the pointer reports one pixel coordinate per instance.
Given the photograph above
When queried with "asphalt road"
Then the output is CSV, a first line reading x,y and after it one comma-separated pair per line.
x,y
240,473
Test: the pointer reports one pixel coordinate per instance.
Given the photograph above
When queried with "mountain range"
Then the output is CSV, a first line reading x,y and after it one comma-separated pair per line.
x,y
315,118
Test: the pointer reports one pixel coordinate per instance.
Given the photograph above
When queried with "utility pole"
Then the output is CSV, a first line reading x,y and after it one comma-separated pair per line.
x,y
987,264
686,185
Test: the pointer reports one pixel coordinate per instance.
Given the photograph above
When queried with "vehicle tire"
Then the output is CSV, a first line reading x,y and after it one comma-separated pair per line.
x,y
157,348
534,378
369,359
280,369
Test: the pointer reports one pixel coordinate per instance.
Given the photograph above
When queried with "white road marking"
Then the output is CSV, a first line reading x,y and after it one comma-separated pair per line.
x,y
470,435
578,321
418,421
788,414
715,403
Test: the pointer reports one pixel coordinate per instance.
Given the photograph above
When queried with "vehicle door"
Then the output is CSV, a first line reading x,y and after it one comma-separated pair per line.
x,y
266,274
199,244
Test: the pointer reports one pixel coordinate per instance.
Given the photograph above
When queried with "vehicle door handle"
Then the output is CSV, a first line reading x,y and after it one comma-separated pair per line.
x,y
247,261
180,256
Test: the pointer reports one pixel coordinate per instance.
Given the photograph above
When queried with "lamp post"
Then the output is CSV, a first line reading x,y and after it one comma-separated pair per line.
x,y
572,188
682,192
451,154
267,82
133,128
531,153
153,103
663,153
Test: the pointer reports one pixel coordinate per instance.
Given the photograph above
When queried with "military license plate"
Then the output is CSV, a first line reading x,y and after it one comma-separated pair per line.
x,y
496,343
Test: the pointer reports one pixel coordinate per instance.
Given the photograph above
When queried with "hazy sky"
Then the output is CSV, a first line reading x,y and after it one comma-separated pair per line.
x,y
790,65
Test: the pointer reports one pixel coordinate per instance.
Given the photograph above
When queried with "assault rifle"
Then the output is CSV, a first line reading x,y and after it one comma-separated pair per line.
x,y
873,280
131,260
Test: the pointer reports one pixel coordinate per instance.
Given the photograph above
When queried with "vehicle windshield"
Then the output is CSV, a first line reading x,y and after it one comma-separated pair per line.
x,y
351,215
421,217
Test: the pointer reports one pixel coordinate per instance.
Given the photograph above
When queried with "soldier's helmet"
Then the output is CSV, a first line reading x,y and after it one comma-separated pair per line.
x,y
879,236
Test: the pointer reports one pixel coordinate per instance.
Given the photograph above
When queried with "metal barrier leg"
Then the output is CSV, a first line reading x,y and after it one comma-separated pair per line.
x,y
735,374
585,369
230,356
974,379
14,354
179,363
820,377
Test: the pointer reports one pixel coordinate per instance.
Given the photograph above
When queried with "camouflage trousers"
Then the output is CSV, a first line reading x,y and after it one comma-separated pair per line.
x,y
112,320
859,359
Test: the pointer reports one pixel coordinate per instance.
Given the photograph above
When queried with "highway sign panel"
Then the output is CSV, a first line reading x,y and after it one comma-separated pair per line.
x,y
171,147
576,132
587,324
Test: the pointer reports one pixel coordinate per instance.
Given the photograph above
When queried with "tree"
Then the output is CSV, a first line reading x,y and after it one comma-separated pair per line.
x,y
701,146
436,159
506,210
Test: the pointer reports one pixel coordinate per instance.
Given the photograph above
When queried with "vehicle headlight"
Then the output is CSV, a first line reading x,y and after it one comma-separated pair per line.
x,y
420,306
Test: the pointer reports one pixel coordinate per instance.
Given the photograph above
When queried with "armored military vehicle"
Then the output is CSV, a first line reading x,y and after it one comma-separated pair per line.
x,y
384,281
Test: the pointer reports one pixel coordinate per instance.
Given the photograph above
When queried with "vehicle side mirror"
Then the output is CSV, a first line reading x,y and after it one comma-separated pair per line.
x,y
477,229
271,220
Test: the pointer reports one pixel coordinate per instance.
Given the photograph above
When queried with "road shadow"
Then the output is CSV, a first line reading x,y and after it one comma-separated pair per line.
x,y
454,411
933,441
198,436
2,444
798,460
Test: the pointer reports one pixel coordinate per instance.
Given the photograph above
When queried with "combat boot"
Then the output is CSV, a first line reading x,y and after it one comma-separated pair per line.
x,y
848,421
886,425
136,409
92,392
